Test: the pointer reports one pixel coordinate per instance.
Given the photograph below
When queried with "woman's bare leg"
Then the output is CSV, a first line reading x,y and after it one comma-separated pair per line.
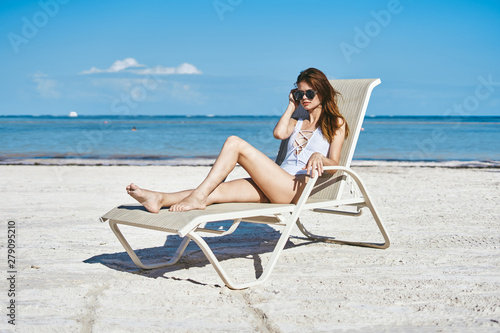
x,y
239,190
268,183
275,183
153,201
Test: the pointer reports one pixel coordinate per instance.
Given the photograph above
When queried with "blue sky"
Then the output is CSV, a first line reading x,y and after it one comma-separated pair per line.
x,y
240,57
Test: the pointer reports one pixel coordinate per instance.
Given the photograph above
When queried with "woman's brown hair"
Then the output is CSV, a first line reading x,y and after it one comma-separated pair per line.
x,y
330,115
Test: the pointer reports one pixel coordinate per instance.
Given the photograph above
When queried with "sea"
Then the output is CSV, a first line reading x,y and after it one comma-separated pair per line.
x,y
196,140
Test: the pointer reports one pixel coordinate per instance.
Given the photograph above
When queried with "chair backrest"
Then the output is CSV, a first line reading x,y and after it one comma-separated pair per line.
x,y
353,103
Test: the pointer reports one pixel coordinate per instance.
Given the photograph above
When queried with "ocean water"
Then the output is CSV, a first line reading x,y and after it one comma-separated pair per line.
x,y
191,138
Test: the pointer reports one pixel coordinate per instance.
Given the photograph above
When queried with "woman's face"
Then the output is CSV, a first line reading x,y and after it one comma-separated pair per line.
x,y
308,104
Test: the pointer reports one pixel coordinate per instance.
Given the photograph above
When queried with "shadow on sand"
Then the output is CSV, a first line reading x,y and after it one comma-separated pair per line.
x,y
249,241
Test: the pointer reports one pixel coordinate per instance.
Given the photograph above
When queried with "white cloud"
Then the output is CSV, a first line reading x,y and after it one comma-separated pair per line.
x,y
92,71
130,65
117,66
47,88
120,65
184,68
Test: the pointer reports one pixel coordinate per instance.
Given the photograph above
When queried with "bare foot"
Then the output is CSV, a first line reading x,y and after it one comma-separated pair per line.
x,y
149,199
192,201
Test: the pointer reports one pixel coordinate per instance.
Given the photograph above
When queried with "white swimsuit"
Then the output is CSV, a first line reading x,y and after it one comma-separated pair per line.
x,y
301,145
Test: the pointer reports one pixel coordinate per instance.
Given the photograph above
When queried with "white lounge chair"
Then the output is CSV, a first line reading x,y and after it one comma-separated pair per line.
x,y
323,195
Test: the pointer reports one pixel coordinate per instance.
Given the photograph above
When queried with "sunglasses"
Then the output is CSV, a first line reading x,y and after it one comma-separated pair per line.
x,y
299,94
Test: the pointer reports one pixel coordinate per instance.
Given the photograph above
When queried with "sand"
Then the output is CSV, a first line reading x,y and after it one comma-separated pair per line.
x,y
441,273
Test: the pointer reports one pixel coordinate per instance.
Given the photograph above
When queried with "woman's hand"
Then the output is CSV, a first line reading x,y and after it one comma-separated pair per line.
x,y
315,163
291,99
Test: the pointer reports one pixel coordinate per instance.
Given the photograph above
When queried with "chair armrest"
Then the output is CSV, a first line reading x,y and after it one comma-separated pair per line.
x,y
354,176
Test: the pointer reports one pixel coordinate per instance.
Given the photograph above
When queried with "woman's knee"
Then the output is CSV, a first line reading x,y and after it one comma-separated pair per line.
x,y
235,141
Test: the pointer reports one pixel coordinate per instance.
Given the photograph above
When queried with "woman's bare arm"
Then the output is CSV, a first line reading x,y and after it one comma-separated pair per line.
x,y
286,124
336,145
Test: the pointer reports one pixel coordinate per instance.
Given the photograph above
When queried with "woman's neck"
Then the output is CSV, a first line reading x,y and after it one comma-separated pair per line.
x,y
314,116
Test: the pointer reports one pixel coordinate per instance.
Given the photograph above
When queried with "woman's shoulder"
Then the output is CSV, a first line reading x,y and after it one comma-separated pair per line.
x,y
340,121
296,121
302,120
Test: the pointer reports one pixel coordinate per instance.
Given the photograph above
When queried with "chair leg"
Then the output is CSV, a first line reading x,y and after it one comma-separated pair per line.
x,y
380,225
135,258
327,239
280,245
209,254
192,235
367,203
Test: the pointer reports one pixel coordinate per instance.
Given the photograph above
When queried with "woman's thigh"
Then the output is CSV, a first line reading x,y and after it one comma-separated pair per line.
x,y
276,184
238,190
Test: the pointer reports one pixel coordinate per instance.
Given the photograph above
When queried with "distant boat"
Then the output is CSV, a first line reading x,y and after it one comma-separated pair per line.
x,y
73,114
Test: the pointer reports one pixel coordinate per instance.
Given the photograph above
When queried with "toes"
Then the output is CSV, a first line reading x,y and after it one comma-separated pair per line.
x,y
132,187
177,208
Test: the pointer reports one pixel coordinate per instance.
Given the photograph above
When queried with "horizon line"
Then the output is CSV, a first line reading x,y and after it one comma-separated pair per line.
x,y
232,115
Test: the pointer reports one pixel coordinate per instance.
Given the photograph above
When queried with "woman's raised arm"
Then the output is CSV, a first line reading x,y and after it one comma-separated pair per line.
x,y
286,124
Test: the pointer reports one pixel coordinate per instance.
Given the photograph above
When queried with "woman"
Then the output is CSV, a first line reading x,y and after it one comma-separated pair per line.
x,y
314,143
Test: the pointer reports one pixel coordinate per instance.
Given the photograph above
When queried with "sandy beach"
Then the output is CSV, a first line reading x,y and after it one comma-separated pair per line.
x,y
441,273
